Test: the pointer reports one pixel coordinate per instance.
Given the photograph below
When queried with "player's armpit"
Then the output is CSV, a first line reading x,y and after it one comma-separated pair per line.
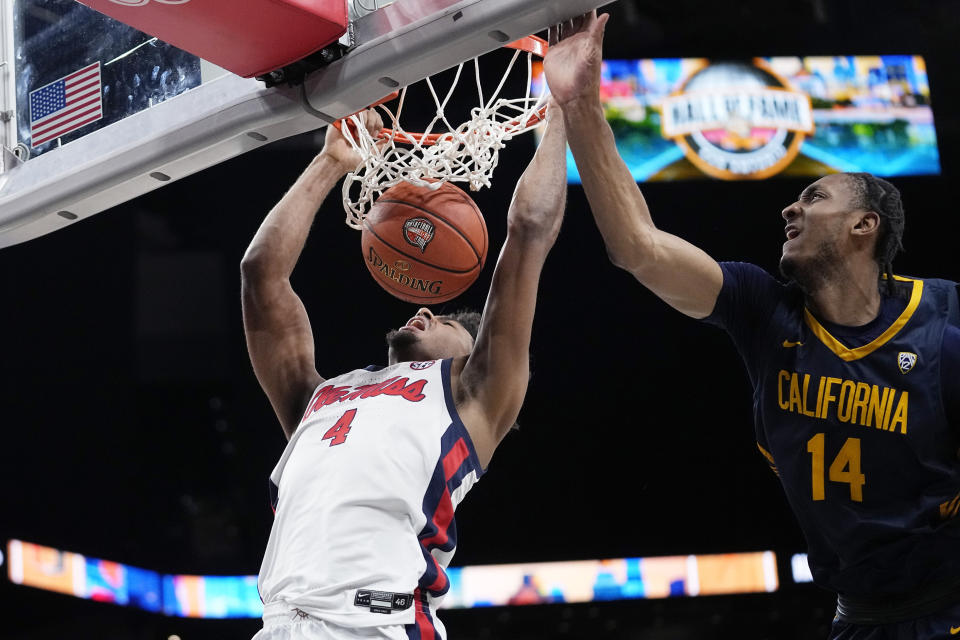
x,y
472,415
277,329
493,380
280,344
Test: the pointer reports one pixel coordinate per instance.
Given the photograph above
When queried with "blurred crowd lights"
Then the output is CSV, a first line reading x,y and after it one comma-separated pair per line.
x,y
800,568
197,596
105,581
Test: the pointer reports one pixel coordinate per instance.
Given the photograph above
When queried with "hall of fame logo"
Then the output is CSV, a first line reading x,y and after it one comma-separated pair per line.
x,y
906,360
418,232
420,366
738,120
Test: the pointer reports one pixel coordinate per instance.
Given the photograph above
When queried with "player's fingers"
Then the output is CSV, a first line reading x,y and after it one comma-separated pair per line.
x,y
373,121
365,119
600,24
552,35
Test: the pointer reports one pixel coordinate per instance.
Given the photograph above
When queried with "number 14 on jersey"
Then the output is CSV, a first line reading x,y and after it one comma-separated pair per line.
x,y
845,468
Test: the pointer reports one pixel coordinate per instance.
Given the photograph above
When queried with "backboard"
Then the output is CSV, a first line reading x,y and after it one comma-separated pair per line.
x,y
130,70
166,113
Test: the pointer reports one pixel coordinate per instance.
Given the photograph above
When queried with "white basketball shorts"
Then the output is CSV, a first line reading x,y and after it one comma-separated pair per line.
x,y
284,622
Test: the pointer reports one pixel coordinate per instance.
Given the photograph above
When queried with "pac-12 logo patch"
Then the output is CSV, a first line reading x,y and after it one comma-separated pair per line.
x,y
738,120
906,360
418,232
419,366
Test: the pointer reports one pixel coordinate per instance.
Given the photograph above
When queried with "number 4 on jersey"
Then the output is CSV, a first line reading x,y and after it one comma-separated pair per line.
x,y
337,434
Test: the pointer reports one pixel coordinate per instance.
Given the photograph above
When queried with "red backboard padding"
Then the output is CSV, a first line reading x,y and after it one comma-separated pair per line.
x,y
247,37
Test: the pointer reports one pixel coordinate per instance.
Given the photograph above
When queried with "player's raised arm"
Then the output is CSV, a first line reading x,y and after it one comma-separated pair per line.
x,y
682,275
494,378
279,337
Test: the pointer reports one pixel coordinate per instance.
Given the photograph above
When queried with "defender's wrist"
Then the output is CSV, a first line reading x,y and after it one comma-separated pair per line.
x,y
582,106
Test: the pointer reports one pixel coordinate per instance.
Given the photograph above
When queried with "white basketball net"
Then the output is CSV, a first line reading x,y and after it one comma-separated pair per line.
x,y
464,153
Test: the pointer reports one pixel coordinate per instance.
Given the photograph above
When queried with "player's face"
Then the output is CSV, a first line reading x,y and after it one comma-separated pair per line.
x,y
428,337
818,226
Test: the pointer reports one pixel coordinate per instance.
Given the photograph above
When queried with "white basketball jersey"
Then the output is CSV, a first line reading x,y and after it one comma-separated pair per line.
x,y
364,496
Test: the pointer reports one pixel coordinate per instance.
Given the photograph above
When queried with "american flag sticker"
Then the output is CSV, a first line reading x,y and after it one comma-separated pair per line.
x,y
65,105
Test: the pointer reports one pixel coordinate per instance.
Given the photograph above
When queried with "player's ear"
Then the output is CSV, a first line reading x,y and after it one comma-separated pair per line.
x,y
867,223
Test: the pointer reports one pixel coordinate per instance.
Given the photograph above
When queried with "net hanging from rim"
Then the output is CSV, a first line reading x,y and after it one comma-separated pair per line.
x,y
467,152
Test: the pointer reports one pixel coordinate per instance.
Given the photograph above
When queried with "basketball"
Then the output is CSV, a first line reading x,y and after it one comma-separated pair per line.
x,y
422,245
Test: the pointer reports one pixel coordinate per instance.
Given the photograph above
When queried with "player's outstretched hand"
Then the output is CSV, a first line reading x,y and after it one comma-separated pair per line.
x,y
573,61
336,146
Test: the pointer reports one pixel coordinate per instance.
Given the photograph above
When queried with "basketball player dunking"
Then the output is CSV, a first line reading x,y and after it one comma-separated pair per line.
x,y
856,373
379,458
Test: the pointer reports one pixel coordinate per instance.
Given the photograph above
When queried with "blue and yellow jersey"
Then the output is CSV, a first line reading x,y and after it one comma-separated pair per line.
x,y
856,422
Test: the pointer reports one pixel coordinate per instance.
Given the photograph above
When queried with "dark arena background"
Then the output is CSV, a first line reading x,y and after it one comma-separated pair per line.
x,y
135,431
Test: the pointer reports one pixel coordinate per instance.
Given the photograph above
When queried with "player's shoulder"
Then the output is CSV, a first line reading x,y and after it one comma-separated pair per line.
x,y
749,278
950,289
946,291
945,282
745,270
406,368
346,376
930,283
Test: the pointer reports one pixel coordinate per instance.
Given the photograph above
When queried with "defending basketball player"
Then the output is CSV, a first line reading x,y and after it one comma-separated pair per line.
x,y
855,370
378,458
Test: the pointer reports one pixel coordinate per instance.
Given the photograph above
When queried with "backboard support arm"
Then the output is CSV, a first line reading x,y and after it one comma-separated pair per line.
x,y
8,93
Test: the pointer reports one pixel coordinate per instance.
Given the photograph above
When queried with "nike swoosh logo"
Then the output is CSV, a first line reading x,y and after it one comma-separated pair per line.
x,y
787,344
954,630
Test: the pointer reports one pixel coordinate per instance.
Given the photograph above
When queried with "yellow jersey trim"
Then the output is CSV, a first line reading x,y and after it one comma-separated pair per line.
x,y
766,454
848,355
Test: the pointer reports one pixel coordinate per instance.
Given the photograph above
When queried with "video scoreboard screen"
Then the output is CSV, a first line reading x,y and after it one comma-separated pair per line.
x,y
694,118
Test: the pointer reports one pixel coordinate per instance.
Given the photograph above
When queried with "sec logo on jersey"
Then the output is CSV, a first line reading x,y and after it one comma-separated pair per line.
x,y
419,366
